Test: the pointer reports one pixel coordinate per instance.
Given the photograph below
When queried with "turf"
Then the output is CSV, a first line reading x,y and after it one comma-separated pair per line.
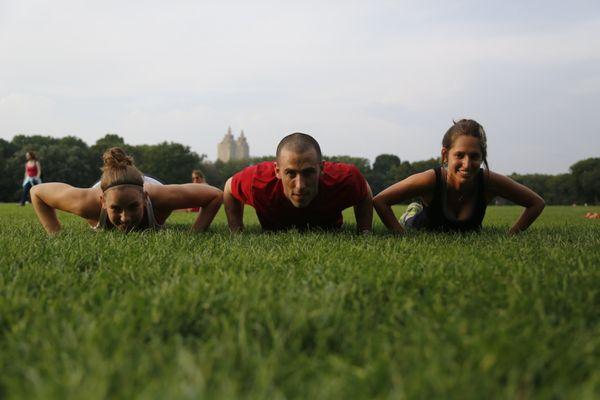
x,y
315,315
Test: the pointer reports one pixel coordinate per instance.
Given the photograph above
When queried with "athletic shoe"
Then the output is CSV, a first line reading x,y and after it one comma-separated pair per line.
x,y
412,210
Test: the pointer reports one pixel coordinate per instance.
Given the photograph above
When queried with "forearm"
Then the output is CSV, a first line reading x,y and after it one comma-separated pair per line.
x,y
363,214
45,213
387,216
207,214
234,209
528,216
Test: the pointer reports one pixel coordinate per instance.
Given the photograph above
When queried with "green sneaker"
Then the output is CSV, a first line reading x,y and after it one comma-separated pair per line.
x,y
412,210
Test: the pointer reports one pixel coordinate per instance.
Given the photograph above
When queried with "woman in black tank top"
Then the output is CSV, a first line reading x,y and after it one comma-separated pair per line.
x,y
454,196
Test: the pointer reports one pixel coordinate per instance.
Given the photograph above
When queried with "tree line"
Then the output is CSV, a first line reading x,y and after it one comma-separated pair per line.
x,y
73,161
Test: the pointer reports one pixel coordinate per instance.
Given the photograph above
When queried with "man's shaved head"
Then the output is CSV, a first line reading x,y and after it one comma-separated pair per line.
x,y
299,143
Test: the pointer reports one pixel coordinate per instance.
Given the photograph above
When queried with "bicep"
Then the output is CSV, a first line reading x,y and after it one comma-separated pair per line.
x,y
60,196
417,185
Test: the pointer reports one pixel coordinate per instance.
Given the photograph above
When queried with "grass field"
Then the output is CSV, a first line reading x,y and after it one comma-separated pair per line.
x,y
319,315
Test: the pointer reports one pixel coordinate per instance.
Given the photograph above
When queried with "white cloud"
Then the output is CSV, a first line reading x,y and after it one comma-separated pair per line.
x,y
365,78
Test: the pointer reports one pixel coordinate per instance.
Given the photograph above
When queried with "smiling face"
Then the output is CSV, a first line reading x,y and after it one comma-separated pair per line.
x,y
299,174
464,158
124,206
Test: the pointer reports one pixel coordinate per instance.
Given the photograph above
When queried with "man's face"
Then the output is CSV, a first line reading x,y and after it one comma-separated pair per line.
x,y
299,174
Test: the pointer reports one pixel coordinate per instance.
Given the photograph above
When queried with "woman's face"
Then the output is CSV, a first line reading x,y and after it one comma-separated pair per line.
x,y
28,156
464,158
124,206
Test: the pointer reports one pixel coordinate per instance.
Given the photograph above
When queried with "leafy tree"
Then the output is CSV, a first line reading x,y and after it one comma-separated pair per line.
x,y
384,163
403,171
8,186
561,190
168,161
103,144
420,166
363,164
63,160
382,175
586,175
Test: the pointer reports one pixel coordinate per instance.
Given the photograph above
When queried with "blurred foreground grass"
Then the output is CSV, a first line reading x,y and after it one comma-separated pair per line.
x,y
318,315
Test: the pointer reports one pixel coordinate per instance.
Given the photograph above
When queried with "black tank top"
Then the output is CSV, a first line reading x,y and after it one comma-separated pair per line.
x,y
435,216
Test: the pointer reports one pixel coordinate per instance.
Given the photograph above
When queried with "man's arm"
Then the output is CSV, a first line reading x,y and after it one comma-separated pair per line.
x,y
234,209
363,212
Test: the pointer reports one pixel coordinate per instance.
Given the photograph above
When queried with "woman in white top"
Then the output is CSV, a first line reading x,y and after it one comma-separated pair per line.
x,y
124,200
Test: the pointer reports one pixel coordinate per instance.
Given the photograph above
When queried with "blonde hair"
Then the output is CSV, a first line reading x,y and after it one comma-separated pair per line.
x,y
118,169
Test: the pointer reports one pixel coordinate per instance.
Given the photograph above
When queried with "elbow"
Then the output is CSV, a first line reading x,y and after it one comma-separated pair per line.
x,y
33,192
218,197
541,204
378,203
537,205
213,199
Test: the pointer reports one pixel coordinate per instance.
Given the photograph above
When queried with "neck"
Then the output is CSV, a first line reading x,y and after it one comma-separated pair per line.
x,y
459,187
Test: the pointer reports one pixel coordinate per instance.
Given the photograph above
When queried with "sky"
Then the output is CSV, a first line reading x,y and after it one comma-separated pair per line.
x,y
363,77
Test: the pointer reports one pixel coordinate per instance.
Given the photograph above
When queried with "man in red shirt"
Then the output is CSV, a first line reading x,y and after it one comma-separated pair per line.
x,y
299,190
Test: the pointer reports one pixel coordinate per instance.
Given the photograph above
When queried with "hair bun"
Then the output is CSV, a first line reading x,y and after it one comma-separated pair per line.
x,y
115,157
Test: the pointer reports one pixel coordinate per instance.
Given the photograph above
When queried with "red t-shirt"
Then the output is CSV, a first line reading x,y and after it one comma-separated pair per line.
x,y
340,186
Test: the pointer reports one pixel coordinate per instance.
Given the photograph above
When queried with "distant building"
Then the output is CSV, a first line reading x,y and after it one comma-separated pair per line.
x,y
232,149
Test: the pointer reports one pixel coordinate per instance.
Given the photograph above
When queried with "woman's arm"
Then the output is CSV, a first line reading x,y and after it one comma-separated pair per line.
x,y
503,186
417,185
168,198
48,197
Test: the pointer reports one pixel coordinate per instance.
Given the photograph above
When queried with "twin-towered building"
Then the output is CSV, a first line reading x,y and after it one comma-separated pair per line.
x,y
233,149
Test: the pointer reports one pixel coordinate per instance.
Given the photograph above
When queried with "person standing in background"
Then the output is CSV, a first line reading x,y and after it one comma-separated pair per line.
x,y
33,173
